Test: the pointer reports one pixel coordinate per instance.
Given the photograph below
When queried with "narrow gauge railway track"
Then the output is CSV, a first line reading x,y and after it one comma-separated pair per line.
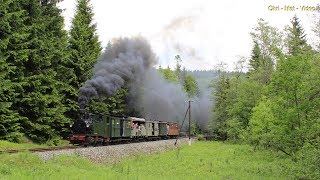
x,y
12,151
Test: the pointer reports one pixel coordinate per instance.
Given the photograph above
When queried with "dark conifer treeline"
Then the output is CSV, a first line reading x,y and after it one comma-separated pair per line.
x,y
41,68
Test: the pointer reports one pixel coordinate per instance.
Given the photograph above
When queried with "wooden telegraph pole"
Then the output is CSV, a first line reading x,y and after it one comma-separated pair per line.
x,y
189,122
188,110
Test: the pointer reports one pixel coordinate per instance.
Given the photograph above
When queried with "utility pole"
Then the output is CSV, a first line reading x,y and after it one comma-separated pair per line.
x,y
188,110
183,123
189,122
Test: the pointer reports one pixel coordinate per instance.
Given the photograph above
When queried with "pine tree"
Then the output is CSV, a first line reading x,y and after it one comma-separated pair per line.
x,y
84,46
11,42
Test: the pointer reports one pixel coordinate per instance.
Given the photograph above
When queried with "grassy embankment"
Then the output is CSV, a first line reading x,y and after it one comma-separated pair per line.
x,y
202,160
5,145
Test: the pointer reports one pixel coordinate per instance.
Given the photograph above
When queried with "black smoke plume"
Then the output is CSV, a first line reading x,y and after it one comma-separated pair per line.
x,y
125,61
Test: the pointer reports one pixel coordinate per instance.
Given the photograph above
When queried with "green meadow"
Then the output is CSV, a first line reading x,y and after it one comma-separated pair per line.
x,y
201,160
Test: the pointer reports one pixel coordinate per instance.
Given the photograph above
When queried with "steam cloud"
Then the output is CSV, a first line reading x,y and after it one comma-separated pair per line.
x,y
162,100
129,61
166,101
170,33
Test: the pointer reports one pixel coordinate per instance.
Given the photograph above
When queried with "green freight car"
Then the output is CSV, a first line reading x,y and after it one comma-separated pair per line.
x,y
109,126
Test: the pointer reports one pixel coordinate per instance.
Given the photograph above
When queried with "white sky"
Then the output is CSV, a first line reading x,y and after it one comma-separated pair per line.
x,y
210,31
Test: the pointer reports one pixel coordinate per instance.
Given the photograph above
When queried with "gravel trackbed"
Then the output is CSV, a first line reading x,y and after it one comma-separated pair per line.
x,y
114,153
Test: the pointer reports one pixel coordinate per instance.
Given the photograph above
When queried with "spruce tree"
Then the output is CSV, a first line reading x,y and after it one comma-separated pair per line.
x,y
266,51
254,62
178,60
219,111
190,85
61,62
11,43
84,46
297,42
115,105
40,101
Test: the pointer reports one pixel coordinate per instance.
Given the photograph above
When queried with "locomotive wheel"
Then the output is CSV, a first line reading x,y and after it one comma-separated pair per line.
x,y
105,143
99,142
89,140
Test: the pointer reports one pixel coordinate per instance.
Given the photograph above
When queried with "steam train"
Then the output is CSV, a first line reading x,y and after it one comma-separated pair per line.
x,y
100,129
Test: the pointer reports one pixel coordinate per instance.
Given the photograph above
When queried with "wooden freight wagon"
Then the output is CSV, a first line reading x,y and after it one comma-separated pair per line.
x,y
163,131
168,129
138,129
152,128
173,129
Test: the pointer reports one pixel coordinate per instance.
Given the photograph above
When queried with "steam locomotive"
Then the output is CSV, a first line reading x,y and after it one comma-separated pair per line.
x,y
101,129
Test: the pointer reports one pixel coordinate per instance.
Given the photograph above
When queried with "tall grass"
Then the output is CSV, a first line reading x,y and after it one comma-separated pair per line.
x,y
202,160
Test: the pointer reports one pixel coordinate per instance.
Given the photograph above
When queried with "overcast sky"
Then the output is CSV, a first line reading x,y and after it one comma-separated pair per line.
x,y
203,32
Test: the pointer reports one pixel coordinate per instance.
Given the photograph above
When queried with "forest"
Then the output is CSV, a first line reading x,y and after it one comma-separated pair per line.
x,y
275,105
271,100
